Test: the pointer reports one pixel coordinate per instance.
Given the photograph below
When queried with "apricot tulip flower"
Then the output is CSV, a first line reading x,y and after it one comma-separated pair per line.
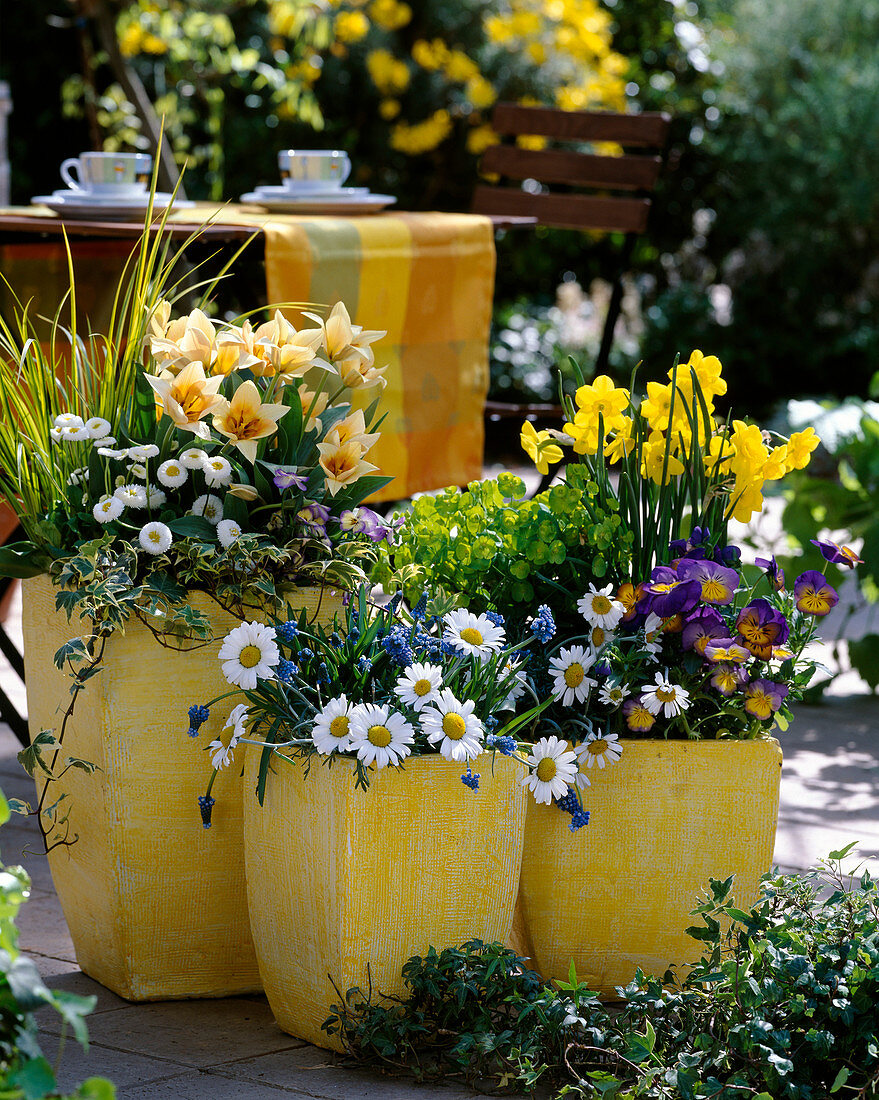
x,y
245,419
188,398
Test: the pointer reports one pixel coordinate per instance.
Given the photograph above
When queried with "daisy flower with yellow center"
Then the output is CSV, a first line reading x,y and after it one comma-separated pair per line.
x,y
453,727
472,634
210,507
379,735
599,750
249,653
553,765
599,608
132,496
222,754
568,669
155,538
613,694
331,731
664,697
419,685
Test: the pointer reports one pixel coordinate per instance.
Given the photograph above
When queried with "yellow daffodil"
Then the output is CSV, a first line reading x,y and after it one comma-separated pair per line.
x,y
653,460
708,375
602,397
656,406
188,397
245,419
800,447
539,447
623,442
343,465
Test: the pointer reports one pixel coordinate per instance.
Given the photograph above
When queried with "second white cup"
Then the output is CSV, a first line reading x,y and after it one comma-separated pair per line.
x,y
108,173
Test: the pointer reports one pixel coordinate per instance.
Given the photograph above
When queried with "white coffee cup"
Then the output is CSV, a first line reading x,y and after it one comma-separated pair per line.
x,y
108,173
313,169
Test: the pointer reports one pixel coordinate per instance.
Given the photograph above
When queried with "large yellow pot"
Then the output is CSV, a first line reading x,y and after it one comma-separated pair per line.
x,y
618,893
345,885
155,903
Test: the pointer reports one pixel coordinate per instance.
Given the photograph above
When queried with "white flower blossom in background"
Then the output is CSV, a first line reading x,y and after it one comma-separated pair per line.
x,y
155,497
105,441
67,420
209,506
193,458
132,496
138,470
568,670
472,634
217,471
75,435
155,537
249,653
98,427
143,451
222,754
599,749
172,474
107,509
599,608
109,452
613,694
665,697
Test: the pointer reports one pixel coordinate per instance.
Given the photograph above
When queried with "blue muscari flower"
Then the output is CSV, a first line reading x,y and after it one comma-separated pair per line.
x,y
578,820
364,665
395,602
494,617
335,640
506,746
569,802
192,731
206,804
353,634
287,670
419,611
287,631
396,645
305,655
470,780
491,723
543,627
198,714
323,675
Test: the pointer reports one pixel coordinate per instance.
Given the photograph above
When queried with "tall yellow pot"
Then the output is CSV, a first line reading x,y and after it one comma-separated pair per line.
x,y
154,902
345,885
618,893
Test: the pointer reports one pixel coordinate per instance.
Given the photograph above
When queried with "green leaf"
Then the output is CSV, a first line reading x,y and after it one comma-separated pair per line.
x,y
4,809
864,656
194,527
840,1080
96,1088
35,1079
22,559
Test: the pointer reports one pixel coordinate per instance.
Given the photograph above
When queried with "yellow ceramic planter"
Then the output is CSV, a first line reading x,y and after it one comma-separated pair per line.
x,y
347,884
155,903
618,893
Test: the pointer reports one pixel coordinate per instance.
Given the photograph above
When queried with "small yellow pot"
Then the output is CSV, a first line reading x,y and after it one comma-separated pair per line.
x,y
618,893
154,902
345,885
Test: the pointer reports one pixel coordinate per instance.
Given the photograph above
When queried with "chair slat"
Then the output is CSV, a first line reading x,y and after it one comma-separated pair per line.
x,y
629,173
618,215
649,128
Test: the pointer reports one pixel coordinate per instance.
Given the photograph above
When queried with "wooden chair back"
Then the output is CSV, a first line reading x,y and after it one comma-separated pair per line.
x,y
571,188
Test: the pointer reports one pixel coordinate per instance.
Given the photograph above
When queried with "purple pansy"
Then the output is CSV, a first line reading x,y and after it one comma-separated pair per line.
x,y
773,571
836,554
717,582
286,479
764,697
813,594
665,594
761,627
702,627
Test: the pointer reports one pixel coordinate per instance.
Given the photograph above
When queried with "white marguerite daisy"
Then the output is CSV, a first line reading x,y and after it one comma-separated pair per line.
x,y
653,635
143,451
172,474
568,669
193,458
105,441
110,452
75,435
553,769
98,427
379,735
514,674
217,470
453,726
249,653
664,696
222,754
613,694
598,607
67,420
332,726
599,749
228,532
132,496
419,685
108,509
138,470
599,637
209,506
155,537
470,633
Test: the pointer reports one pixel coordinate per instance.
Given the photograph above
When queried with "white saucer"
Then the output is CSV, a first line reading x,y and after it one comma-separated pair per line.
x,y
77,204
280,192
308,204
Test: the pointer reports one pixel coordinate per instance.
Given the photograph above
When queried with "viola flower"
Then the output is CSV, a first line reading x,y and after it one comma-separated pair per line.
x,y
472,635
245,419
836,554
453,727
419,685
249,653
286,479
764,697
568,669
638,718
719,582
628,595
598,607
761,627
701,627
331,731
665,697
667,594
727,678
813,595
599,750
553,767
314,515
379,735
773,571
718,650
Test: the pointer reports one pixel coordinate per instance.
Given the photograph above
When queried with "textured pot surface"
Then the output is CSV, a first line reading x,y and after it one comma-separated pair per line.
x,y
619,893
155,903
345,885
